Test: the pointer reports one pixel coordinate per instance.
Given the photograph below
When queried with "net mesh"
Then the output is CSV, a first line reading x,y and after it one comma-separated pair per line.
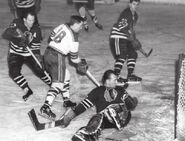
x,y
180,126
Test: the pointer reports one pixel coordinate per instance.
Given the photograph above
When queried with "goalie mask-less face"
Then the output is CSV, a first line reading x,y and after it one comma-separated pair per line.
x,y
112,81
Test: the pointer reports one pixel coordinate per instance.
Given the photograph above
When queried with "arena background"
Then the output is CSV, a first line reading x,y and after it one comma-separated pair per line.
x,y
161,27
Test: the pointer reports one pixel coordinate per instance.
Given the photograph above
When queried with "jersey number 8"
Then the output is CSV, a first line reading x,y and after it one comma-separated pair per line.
x,y
58,38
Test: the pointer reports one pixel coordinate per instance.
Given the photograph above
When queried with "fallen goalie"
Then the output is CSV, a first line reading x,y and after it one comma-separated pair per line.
x,y
113,106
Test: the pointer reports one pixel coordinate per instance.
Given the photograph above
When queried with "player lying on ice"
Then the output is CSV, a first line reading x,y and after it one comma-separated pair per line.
x,y
113,106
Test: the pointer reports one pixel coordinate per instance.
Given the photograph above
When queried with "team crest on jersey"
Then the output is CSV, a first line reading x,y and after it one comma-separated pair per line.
x,y
29,36
110,95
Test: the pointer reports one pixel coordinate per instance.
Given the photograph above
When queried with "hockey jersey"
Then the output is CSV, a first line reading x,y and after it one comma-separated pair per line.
x,y
64,40
102,97
125,23
14,44
24,3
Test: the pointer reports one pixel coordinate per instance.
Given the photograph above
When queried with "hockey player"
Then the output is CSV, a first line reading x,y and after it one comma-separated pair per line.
x,y
23,33
83,6
62,43
121,37
113,106
19,7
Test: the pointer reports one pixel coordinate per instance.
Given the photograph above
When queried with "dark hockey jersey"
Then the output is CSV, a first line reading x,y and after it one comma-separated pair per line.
x,y
125,22
14,44
101,97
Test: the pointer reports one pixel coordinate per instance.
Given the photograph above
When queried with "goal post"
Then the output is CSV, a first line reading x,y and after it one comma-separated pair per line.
x,y
179,122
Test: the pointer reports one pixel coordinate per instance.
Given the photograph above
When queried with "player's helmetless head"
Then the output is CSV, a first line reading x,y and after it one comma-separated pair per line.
x,y
133,4
109,79
76,23
29,19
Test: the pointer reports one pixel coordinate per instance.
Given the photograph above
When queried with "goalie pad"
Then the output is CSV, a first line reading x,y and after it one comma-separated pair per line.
x,y
91,131
117,114
82,67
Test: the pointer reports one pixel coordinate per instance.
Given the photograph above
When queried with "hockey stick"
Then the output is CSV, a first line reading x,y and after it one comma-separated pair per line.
x,y
41,126
144,53
91,77
37,61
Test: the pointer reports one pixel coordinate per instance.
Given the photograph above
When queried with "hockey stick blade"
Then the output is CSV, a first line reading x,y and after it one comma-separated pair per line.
x,y
150,52
41,126
33,117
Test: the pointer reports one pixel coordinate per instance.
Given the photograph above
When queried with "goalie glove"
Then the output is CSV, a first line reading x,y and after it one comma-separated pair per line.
x,y
82,67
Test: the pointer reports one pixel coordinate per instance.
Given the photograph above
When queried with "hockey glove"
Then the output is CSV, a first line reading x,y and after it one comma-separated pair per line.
x,y
136,44
82,67
67,117
131,102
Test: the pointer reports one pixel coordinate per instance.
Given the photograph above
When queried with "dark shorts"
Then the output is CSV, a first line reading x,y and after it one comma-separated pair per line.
x,y
54,64
122,48
15,63
89,4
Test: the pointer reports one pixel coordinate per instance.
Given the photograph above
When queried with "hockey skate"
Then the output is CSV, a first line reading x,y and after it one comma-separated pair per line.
x,y
45,111
122,82
134,79
68,103
28,94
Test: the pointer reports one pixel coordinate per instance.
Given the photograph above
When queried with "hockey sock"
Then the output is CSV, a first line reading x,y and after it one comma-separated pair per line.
x,y
118,66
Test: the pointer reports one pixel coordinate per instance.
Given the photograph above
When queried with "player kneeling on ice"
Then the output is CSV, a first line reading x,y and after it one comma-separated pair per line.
x,y
113,106
62,43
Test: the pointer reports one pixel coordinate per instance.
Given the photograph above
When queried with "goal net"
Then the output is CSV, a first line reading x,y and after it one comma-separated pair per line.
x,y
180,99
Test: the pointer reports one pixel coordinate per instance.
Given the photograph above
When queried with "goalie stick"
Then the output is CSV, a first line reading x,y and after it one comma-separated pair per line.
x,y
41,126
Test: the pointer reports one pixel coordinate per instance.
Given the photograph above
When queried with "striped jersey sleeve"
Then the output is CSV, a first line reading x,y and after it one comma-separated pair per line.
x,y
125,22
87,103
34,38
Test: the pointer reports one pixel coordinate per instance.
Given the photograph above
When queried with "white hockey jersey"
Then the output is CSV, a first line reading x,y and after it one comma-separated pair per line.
x,y
63,40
